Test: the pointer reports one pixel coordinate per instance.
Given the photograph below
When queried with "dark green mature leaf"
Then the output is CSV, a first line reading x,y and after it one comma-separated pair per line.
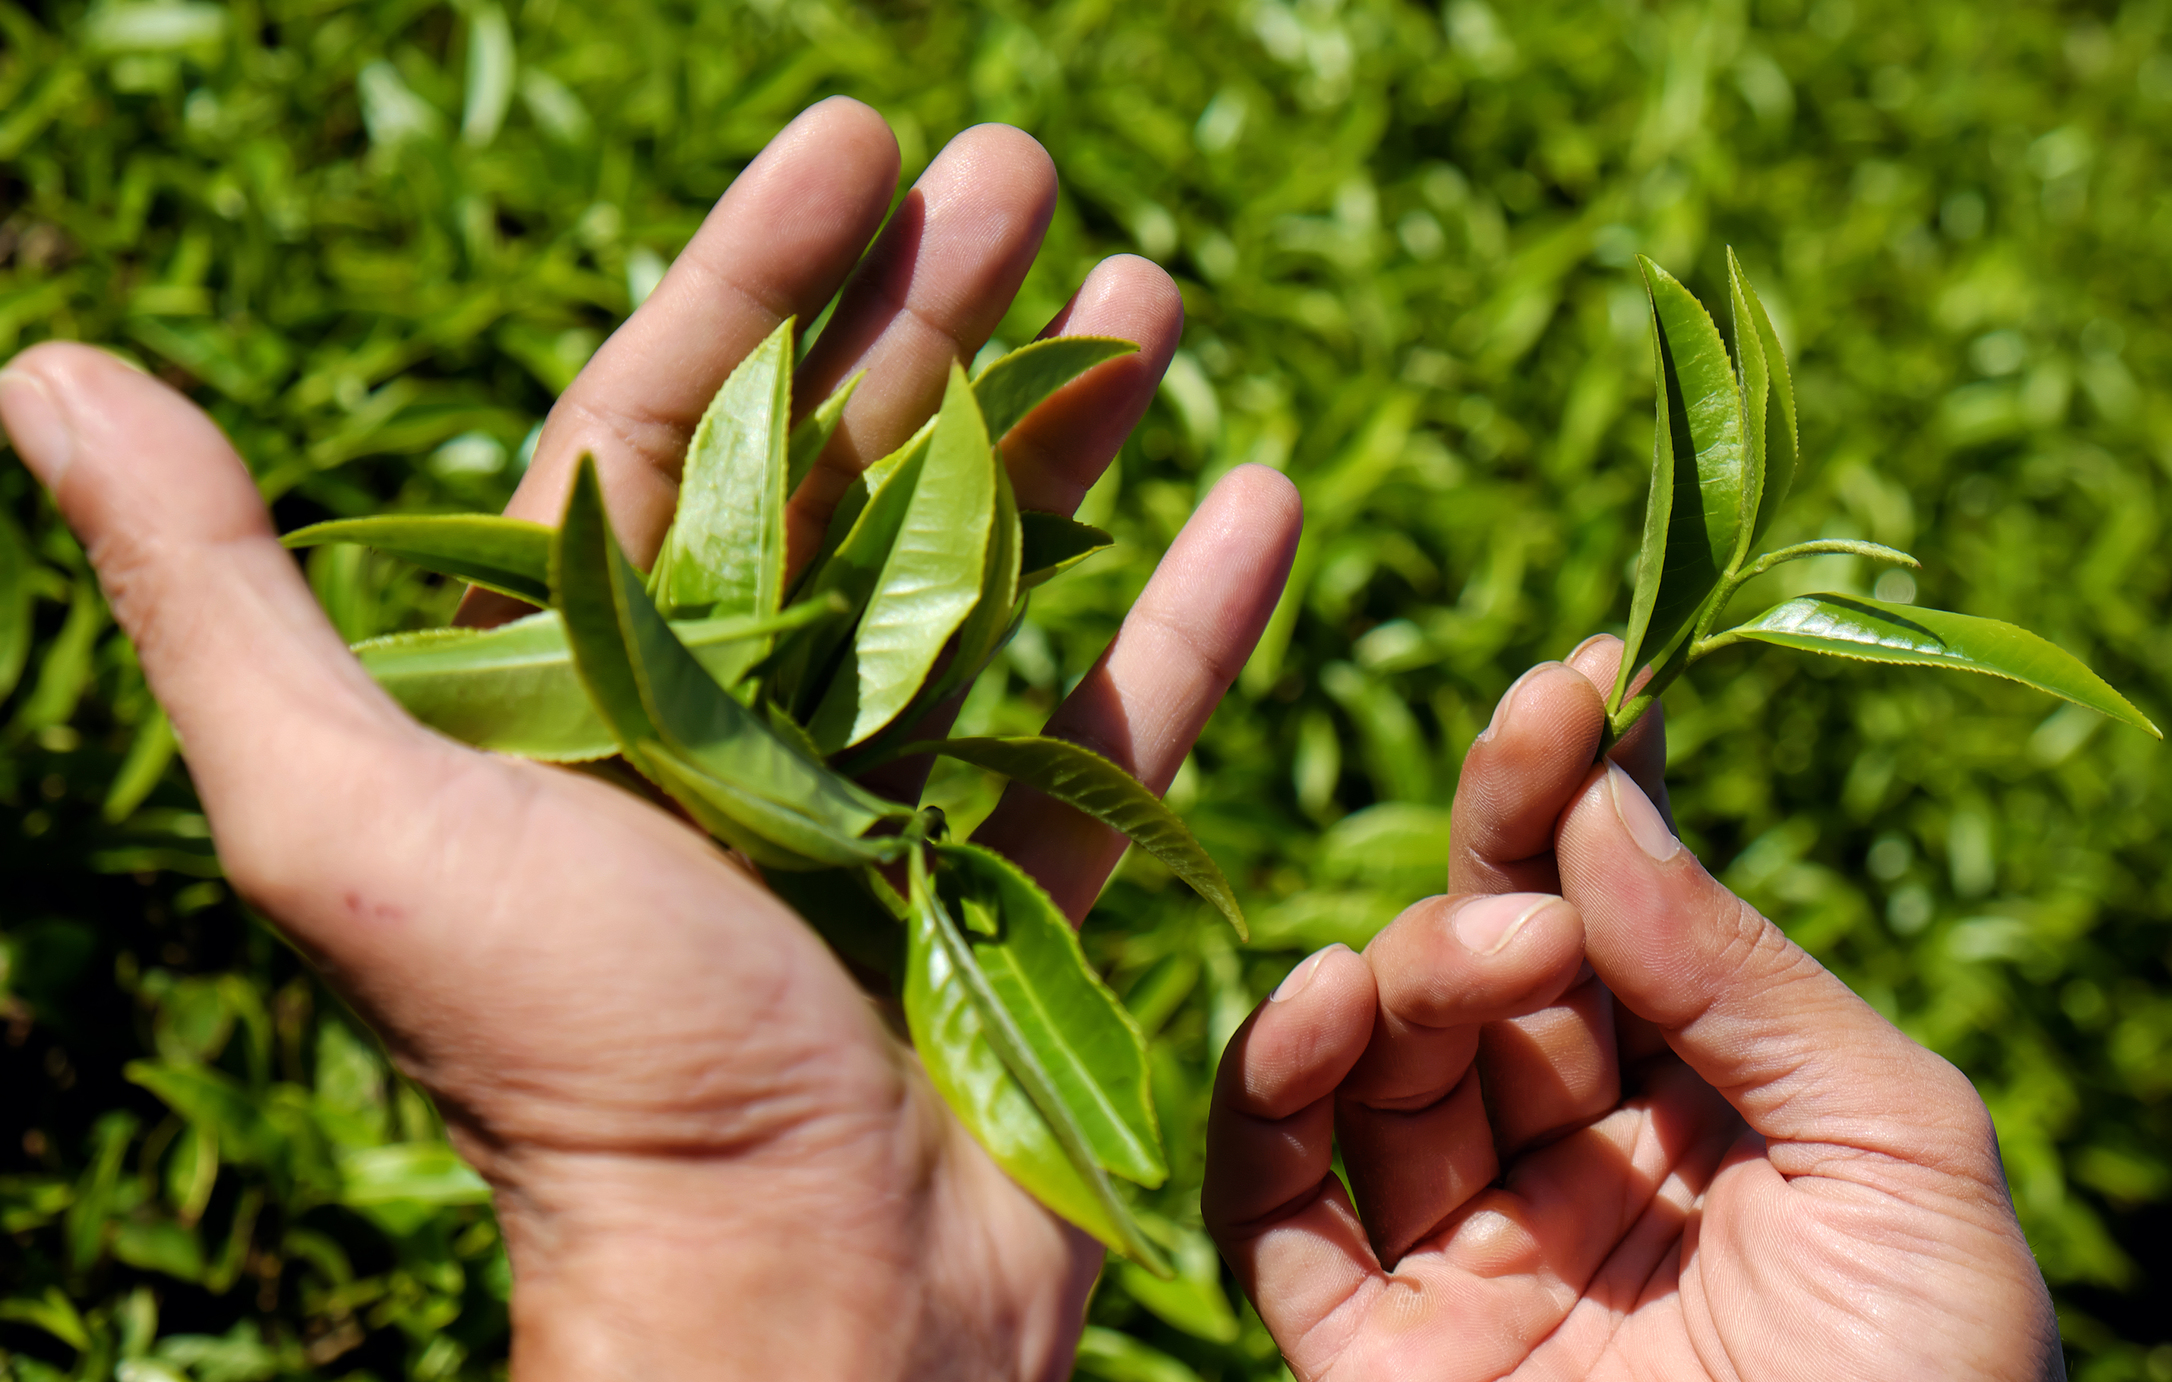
x,y
508,555
1051,544
513,689
672,719
1093,1051
982,1066
1875,631
815,430
1081,778
1778,445
1693,516
724,554
1014,385
930,581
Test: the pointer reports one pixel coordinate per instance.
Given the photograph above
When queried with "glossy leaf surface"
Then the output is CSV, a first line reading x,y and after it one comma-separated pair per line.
x,y
1082,1036
650,690
981,1066
772,833
1083,779
1051,544
513,689
1875,631
929,583
1013,385
1778,449
725,552
988,627
1753,376
507,555
1693,514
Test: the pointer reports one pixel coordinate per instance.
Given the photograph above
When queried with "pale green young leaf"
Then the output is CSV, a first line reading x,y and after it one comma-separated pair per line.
x,y
650,690
1050,544
1693,516
1875,631
1085,1039
1753,378
1083,779
814,431
1013,385
773,834
508,555
1193,1299
852,504
513,689
929,583
725,551
980,1064
1781,456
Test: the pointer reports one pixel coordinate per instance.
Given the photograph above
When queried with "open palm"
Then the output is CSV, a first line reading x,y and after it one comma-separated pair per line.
x,y
1600,1119
712,1155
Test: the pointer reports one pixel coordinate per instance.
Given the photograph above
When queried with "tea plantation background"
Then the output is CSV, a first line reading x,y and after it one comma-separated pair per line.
x,y
375,237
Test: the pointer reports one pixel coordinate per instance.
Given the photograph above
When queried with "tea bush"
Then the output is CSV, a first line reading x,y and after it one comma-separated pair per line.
x,y
374,238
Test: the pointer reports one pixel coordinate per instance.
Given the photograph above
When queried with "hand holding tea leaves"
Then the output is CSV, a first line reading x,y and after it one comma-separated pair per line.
x,y
711,1152
1599,1118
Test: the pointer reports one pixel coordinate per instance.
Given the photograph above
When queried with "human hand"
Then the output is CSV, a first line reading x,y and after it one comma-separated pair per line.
x,y
1629,1131
710,1154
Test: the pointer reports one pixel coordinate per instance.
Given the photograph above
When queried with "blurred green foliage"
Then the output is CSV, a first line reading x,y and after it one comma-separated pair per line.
x,y
375,237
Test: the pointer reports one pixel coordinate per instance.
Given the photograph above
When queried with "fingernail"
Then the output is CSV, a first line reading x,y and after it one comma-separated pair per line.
x,y
36,426
1639,817
1486,925
1508,700
1300,978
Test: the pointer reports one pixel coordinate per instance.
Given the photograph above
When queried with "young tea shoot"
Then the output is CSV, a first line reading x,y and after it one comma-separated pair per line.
x,y
754,698
1723,461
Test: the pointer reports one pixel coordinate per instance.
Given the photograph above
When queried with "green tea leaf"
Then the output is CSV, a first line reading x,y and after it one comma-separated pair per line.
x,y
1779,452
149,751
513,689
654,696
814,431
1082,1036
1754,377
1083,779
1693,515
1013,385
845,909
1051,544
724,554
771,833
1875,631
979,1062
929,583
508,555
414,1172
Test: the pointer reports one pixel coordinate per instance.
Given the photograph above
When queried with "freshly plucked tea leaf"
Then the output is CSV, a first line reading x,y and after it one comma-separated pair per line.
x,y
929,583
773,834
1875,631
724,553
1013,385
815,430
1778,449
513,689
1083,779
1753,376
980,1064
1051,544
652,692
1693,515
1086,1041
508,555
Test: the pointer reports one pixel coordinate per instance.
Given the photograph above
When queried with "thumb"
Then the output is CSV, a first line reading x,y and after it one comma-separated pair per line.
x,y
261,691
1809,1065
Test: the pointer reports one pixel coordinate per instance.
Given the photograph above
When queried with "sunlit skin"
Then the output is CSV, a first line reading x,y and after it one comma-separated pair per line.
x,y
1603,1120
711,1155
